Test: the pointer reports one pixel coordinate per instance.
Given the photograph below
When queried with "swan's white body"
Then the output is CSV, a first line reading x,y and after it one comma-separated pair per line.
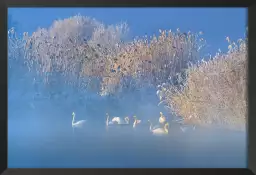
x,y
117,120
121,121
159,131
77,124
156,127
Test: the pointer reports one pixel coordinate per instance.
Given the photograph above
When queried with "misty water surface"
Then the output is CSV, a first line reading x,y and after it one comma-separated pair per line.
x,y
41,136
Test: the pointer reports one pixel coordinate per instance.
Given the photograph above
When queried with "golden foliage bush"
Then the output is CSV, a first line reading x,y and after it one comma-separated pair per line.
x,y
154,60
72,47
215,92
83,47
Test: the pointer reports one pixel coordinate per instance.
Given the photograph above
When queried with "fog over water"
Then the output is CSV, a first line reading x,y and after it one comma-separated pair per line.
x,y
40,134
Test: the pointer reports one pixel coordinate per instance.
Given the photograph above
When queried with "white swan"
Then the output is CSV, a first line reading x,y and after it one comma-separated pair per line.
x,y
121,121
113,121
162,118
159,131
136,121
159,94
77,124
117,120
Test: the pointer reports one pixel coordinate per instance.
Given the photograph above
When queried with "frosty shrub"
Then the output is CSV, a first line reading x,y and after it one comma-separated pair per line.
x,y
86,52
15,55
72,48
152,60
15,45
215,92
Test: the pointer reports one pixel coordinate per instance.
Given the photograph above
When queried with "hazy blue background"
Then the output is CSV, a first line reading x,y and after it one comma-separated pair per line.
x,y
216,23
40,133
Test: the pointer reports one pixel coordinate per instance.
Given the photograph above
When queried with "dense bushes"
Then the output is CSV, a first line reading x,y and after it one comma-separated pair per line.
x,y
80,47
215,92
92,56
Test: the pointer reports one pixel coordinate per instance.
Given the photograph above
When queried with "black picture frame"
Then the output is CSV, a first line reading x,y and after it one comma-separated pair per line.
x,y
139,3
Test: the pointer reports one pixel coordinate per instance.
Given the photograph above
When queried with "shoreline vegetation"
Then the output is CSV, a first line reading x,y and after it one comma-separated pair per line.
x,y
95,57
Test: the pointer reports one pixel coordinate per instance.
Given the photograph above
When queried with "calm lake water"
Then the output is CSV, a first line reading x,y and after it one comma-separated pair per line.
x,y
44,141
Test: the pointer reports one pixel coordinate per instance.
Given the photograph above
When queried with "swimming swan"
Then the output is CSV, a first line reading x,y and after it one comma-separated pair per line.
x,y
159,131
108,122
121,121
77,124
117,120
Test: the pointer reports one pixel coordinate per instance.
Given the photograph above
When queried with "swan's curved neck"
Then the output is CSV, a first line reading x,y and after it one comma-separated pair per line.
x,y
134,123
166,128
107,121
126,121
73,119
150,127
